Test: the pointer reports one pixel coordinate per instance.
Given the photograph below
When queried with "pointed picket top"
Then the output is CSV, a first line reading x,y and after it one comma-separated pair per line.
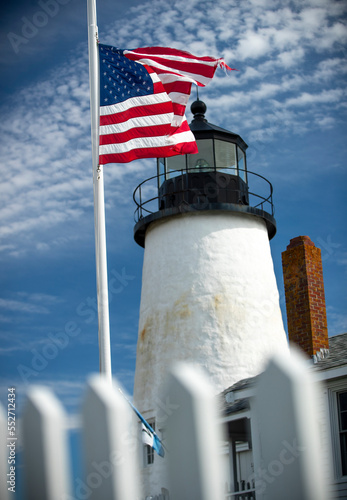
x,y
110,444
287,409
194,437
4,494
45,447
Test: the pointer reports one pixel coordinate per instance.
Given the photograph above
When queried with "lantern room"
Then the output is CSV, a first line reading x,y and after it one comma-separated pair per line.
x,y
215,178
217,173
219,150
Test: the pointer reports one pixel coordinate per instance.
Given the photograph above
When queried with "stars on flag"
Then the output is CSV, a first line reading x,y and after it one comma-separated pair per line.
x,y
118,82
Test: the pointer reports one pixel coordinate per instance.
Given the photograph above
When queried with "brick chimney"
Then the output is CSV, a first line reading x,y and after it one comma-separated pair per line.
x,y
305,300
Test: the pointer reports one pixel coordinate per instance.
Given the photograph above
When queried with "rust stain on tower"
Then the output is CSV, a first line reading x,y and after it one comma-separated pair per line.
x,y
305,299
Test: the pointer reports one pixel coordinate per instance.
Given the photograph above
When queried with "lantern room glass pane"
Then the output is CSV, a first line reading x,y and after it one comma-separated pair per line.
x,y
203,160
175,165
161,169
241,163
226,157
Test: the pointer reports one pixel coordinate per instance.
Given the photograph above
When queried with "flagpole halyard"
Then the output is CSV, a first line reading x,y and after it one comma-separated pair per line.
x,y
99,199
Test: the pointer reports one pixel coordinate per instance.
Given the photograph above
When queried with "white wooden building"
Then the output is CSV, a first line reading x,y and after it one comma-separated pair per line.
x,y
240,413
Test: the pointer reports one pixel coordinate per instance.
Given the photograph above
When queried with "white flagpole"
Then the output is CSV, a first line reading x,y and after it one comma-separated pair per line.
x,y
99,202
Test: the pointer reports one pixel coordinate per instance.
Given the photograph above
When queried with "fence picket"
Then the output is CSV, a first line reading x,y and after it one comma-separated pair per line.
x,y
45,447
110,444
287,410
194,437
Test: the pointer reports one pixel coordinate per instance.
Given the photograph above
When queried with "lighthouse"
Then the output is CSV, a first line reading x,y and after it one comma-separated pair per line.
x,y
209,293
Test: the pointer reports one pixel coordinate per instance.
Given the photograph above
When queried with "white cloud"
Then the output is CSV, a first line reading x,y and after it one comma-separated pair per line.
x,y
252,46
331,35
32,303
326,96
325,122
44,298
291,58
22,307
266,90
330,68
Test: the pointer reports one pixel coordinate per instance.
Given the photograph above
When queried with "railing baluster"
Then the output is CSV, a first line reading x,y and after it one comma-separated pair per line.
x,y
140,201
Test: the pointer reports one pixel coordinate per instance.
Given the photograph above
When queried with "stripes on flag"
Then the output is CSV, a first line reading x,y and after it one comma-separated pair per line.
x,y
177,70
143,97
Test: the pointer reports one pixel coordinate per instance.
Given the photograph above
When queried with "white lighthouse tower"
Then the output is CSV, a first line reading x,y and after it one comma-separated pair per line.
x,y
209,293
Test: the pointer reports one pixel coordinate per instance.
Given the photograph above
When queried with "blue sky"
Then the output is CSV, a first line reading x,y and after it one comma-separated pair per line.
x,y
287,101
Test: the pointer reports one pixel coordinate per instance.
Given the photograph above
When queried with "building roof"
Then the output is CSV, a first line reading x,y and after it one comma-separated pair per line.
x,y
334,358
241,384
236,406
337,354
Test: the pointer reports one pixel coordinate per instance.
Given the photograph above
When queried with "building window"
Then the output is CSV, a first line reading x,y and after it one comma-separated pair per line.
x,y
342,410
148,450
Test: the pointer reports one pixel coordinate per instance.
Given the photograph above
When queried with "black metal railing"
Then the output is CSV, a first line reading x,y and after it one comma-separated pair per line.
x,y
149,196
245,491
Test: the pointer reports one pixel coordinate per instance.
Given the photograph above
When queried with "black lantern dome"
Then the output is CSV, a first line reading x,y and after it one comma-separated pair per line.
x,y
219,151
215,178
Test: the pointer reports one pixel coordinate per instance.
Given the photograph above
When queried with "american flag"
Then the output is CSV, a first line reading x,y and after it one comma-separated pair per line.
x,y
143,96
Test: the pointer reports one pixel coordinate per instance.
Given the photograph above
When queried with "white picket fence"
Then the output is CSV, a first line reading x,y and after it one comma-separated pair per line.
x,y
193,439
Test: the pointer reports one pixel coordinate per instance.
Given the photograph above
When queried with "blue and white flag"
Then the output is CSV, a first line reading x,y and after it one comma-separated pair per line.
x,y
149,436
